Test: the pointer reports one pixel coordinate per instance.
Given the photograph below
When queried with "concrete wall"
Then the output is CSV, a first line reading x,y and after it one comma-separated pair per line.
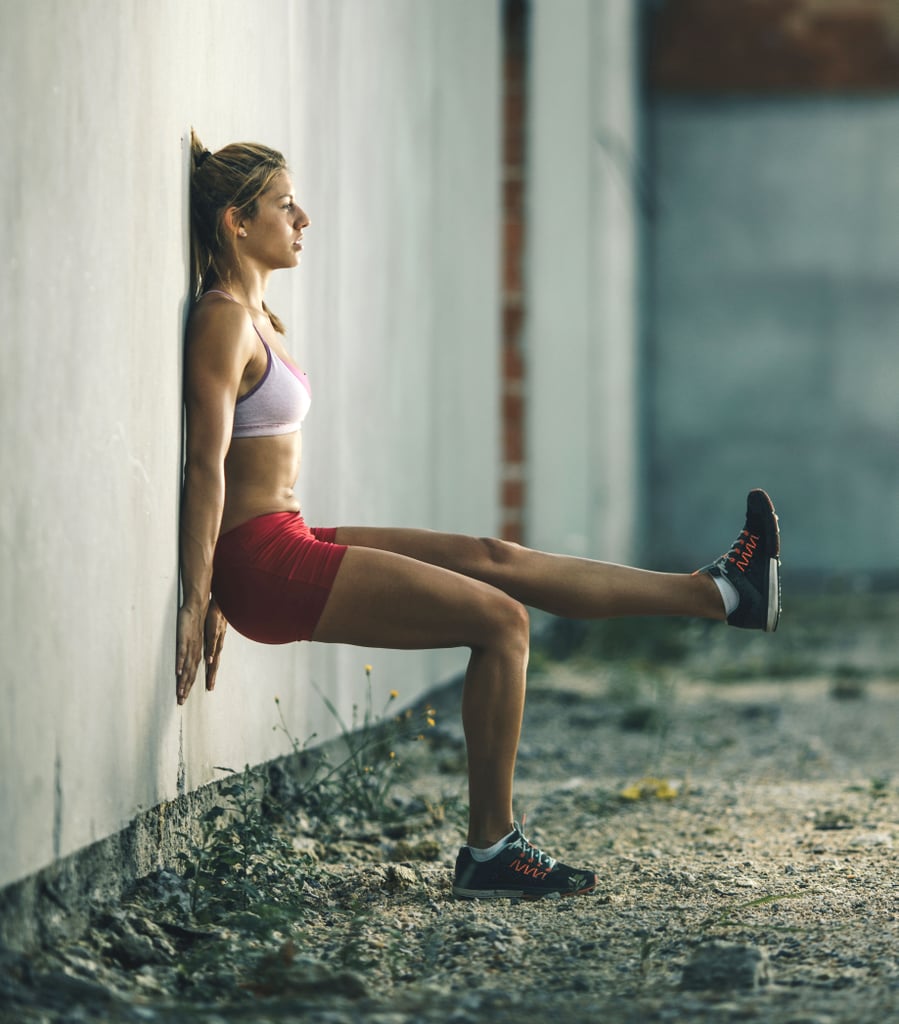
x,y
393,139
583,283
776,311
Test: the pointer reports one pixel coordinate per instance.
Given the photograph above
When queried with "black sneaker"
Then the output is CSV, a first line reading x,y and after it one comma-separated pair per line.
x,y
518,871
753,566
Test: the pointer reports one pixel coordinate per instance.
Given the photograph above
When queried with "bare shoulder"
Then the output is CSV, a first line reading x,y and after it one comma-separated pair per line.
x,y
219,321
219,334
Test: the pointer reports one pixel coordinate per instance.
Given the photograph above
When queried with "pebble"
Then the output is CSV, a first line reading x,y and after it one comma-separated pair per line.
x,y
419,957
725,966
873,839
306,846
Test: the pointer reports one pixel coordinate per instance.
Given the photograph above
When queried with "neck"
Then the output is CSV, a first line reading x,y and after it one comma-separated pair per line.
x,y
247,286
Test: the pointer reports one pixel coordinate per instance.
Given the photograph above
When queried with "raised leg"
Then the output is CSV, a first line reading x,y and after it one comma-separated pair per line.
x,y
381,599
579,588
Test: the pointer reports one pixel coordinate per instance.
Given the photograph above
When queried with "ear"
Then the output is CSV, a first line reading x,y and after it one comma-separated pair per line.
x,y
234,222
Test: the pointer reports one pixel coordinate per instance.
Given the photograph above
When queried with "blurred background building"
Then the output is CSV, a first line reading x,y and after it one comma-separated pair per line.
x,y
710,253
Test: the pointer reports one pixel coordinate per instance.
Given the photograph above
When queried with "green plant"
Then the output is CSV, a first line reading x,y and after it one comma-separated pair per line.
x,y
648,947
880,786
241,863
646,699
725,916
362,781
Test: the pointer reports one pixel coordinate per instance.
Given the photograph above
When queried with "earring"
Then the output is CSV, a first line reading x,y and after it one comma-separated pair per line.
x,y
242,232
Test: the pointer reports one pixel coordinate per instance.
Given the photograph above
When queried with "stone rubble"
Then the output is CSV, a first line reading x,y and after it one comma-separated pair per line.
x,y
749,875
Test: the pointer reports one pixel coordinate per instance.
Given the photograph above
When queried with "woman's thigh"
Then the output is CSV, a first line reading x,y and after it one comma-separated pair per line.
x,y
475,557
384,599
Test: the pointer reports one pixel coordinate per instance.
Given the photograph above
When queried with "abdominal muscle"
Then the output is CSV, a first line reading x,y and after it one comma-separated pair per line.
x,y
260,475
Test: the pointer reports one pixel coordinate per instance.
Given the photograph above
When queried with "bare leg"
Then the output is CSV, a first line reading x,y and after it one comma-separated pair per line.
x,y
578,588
380,599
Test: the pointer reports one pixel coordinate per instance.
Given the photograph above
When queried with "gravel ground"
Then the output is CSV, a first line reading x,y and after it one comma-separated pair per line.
x,y
744,831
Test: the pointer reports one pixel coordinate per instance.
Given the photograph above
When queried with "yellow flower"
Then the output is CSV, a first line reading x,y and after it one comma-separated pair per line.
x,y
392,754
430,722
648,788
394,694
368,670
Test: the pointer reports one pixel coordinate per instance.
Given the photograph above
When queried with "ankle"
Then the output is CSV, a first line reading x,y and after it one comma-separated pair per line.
x,y
713,600
484,838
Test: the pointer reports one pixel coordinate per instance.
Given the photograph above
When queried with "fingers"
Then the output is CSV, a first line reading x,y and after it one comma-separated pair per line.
x,y
214,642
198,642
187,655
212,662
212,667
185,676
186,665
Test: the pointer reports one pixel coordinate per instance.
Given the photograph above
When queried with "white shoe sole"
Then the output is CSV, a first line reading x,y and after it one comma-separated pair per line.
x,y
773,596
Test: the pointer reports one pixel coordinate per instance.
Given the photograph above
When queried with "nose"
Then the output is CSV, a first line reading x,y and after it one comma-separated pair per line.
x,y
302,220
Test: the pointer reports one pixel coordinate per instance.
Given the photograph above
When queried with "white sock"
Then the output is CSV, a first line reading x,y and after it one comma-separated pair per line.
x,y
491,851
729,594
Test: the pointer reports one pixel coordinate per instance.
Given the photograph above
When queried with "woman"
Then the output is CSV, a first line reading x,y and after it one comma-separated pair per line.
x,y
244,542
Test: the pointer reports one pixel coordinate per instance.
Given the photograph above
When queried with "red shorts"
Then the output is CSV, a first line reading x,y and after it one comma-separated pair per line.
x,y
272,576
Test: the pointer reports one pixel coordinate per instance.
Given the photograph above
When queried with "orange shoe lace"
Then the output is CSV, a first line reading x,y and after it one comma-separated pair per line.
x,y
743,549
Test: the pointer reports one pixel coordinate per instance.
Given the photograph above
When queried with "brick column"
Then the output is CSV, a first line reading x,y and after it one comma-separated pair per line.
x,y
515,71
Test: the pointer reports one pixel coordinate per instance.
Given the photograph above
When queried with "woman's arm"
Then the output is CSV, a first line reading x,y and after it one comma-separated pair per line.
x,y
220,344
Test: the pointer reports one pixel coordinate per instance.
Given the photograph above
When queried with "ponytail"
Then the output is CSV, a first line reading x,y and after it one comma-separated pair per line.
x,y
235,176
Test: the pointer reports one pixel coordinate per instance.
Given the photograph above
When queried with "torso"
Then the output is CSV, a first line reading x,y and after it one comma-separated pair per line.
x,y
260,476
261,471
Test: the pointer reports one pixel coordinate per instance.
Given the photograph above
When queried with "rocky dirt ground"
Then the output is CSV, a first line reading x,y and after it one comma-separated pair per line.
x,y
737,794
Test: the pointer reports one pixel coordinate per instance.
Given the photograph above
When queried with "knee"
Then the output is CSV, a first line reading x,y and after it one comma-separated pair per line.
x,y
511,622
499,553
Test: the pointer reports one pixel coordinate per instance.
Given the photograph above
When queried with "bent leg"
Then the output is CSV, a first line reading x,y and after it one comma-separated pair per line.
x,y
579,588
381,599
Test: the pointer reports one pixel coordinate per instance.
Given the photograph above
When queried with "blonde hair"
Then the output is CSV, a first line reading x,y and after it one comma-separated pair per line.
x,y
235,176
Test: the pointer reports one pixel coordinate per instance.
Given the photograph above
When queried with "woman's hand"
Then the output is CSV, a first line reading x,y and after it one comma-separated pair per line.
x,y
189,650
198,639
214,639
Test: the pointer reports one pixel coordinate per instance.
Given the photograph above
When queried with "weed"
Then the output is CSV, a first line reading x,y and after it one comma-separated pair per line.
x,y
646,700
849,683
241,865
879,787
647,949
726,915
362,782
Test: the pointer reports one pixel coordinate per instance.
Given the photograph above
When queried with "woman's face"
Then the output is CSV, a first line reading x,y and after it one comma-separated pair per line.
x,y
273,236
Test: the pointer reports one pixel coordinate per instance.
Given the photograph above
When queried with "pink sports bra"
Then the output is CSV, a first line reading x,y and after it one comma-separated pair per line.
x,y
278,403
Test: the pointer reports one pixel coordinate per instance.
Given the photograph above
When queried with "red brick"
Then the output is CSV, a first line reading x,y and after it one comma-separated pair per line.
x,y
513,494
513,407
513,364
513,197
514,145
512,530
515,14
513,442
775,46
513,252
